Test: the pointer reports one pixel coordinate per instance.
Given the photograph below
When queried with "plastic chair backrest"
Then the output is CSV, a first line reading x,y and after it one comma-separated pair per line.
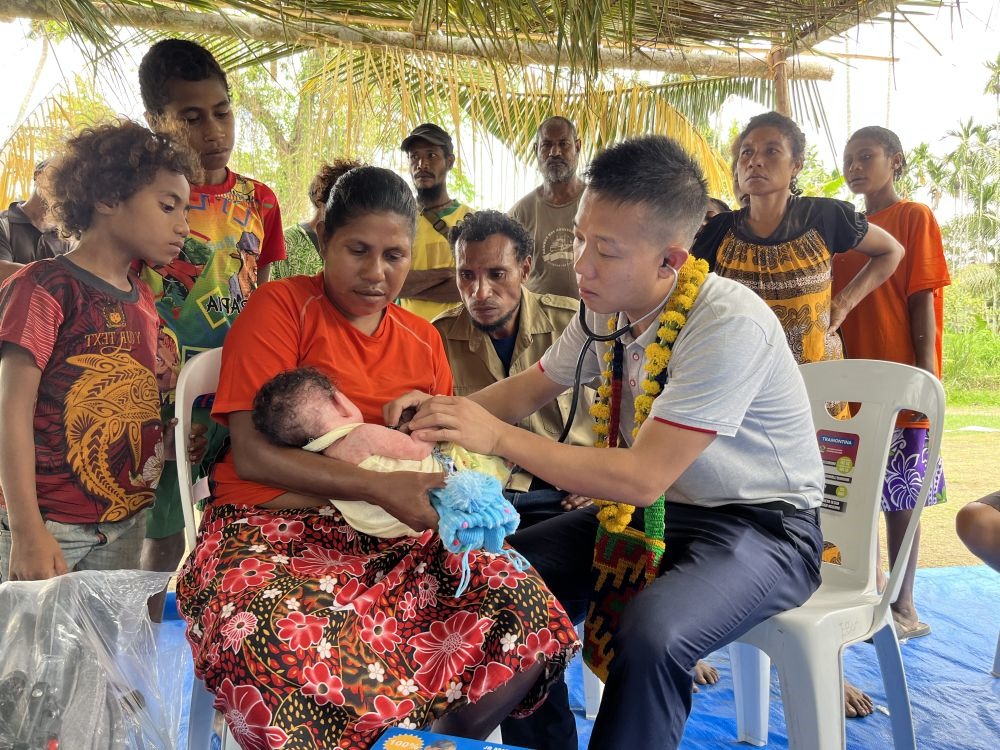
x,y
855,451
199,376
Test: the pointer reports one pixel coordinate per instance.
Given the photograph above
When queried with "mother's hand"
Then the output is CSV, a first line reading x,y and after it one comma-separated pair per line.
x,y
459,420
403,495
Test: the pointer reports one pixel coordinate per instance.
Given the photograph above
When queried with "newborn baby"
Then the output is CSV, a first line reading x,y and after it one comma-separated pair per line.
x,y
301,408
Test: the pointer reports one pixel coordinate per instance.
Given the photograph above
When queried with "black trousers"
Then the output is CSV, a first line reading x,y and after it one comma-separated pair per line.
x,y
724,571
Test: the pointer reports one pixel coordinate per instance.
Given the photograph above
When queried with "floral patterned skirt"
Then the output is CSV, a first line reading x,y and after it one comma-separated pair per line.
x,y
312,634
906,469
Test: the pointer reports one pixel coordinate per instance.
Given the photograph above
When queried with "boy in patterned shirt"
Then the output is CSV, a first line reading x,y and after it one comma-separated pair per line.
x,y
235,236
81,441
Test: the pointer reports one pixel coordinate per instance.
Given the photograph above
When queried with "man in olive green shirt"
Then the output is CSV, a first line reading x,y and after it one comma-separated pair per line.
x,y
548,211
502,328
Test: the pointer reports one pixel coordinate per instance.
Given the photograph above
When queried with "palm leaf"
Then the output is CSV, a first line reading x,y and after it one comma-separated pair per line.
x,y
41,134
405,89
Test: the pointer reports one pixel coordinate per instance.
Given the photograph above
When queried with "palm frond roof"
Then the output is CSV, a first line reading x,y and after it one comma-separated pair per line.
x,y
576,34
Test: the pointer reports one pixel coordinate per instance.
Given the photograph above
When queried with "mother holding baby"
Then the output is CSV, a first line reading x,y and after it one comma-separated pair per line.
x,y
307,630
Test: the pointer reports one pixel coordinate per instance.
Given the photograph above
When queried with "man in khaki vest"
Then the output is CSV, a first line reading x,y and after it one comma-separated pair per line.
x,y
502,328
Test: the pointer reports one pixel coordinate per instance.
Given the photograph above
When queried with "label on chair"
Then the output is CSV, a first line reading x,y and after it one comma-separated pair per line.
x,y
839,451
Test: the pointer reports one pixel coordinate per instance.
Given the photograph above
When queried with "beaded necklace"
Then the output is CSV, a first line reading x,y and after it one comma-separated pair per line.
x,y
615,516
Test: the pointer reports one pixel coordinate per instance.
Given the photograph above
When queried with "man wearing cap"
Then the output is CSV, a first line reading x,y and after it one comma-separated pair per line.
x,y
548,210
430,287
25,233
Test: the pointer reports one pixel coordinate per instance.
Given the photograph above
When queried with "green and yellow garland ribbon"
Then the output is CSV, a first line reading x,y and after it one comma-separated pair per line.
x,y
615,516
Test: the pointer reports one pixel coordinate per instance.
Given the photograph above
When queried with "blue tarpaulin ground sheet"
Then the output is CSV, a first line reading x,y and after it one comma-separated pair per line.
x,y
955,699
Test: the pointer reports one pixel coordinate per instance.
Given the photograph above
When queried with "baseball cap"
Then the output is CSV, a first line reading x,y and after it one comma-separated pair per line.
x,y
428,131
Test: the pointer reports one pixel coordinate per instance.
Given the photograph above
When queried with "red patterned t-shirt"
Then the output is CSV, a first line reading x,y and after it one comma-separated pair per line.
x,y
98,436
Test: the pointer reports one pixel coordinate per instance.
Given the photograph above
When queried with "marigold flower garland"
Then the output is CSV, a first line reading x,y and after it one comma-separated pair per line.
x,y
615,516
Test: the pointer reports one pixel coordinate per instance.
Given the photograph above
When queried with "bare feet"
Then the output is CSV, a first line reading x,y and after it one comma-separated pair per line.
x,y
704,674
857,705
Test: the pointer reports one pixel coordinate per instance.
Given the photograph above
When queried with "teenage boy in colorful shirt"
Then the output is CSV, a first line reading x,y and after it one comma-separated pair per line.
x,y
235,236
729,441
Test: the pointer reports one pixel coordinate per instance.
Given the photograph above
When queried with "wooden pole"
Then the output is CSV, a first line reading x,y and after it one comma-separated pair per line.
x,y
312,33
778,65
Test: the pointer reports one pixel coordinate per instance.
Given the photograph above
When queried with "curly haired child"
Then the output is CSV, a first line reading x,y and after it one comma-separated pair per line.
x,y
81,441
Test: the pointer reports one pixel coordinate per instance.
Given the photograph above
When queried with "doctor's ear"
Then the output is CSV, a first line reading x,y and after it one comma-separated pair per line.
x,y
674,258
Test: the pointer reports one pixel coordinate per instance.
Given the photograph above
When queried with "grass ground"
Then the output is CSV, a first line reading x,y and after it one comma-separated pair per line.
x,y
972,470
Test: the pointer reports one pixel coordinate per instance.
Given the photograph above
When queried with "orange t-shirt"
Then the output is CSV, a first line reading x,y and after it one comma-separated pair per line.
x,y
291,323
879,327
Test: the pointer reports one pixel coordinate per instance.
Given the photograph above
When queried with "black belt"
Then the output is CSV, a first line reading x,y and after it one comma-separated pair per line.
x,y
786,509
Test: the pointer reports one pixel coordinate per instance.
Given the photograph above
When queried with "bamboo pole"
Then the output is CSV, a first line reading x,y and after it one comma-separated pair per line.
x,y
313,34
779,74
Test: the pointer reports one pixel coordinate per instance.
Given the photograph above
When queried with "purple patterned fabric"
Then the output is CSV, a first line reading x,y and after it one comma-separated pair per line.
x,y
905,471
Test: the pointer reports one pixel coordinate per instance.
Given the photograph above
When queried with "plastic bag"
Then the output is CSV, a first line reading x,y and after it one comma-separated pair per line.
x,y
80,667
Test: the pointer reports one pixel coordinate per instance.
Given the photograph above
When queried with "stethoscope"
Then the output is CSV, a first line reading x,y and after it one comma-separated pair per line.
x,y
603,338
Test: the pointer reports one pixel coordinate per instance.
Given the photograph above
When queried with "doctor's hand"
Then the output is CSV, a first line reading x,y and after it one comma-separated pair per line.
x,y
459,420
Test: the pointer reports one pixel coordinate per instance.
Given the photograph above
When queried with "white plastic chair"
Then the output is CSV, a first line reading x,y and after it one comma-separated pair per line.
x,y
199,376
806,643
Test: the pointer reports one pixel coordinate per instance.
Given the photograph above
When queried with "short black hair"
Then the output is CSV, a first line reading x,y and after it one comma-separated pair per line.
x,y
109,164
656,172
887,139
478,225
174,59
556,118
275,407
368,190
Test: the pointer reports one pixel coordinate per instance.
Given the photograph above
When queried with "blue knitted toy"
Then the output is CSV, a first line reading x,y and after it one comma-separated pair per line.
x,y
475,515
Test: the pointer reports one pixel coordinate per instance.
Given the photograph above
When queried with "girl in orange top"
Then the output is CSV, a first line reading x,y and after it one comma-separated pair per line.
x,y
308,631
900,321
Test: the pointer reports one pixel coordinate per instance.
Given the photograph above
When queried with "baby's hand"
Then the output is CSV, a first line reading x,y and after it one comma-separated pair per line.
x,y
407,415
400,410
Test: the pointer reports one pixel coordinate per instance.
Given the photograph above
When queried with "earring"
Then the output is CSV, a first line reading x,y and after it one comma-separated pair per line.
x,y
793,185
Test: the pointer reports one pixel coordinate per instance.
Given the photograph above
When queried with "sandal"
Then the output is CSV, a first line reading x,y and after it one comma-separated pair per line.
x,y
917,630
